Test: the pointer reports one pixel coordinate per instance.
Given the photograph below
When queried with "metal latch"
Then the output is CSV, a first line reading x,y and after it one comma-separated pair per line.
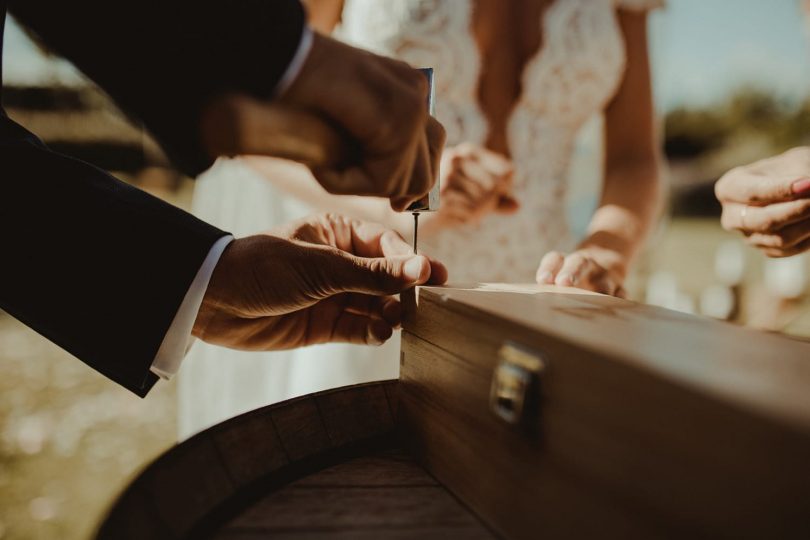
x,y
512,381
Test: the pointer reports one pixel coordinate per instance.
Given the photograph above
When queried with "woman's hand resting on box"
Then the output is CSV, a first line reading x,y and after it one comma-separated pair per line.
x,y
594,269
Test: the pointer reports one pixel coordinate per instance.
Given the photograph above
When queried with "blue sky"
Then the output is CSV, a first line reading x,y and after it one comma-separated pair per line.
x,y
704,49
701,51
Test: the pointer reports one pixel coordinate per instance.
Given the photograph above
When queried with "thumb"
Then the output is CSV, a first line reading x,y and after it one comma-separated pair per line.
x,y
381,275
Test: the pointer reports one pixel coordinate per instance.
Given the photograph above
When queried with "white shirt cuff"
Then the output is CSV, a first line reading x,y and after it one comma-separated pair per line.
x,y
297,62
178,339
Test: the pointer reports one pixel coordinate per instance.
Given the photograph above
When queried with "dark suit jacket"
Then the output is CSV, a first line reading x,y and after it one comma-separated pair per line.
x,y
91,263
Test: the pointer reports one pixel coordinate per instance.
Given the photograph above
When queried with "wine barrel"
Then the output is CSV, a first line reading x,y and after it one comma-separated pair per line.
x,y
326,465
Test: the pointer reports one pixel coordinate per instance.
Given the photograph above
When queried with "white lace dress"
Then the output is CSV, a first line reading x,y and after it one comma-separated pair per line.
x,y
570,79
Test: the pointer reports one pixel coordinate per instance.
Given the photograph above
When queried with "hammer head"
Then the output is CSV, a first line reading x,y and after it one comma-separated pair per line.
x,y
430,202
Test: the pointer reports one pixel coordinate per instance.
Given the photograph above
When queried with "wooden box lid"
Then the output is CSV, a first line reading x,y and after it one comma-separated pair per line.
x,y
766,371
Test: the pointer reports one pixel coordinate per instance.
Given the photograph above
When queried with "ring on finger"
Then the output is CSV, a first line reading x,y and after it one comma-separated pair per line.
x,y
743,214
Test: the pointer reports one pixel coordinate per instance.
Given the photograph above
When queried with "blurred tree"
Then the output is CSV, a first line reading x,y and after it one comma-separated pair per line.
x,y
692,133
703,143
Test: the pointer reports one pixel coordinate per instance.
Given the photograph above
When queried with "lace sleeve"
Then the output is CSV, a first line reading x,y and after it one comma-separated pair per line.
x,y
640,5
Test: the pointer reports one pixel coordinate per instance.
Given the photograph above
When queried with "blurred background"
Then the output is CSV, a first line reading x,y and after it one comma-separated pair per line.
x,y
732,82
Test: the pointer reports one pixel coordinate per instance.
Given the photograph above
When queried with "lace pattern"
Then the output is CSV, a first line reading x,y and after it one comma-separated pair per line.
x,y
571,78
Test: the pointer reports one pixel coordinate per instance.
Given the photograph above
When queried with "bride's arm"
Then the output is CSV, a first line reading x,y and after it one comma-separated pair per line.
x,y
630,196
630,199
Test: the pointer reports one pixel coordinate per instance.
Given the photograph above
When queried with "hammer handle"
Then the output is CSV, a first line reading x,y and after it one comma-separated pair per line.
x,y
242,125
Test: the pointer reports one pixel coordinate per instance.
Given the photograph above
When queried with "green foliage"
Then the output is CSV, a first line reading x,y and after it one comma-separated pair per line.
x,y
695,132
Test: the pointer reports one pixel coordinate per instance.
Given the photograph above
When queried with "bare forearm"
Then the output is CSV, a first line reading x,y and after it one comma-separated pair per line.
x,y
630,198
297,181
628,208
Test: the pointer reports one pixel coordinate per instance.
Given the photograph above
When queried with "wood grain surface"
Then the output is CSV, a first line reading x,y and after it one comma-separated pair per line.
x,y
196,487
650,423
384,495
766,372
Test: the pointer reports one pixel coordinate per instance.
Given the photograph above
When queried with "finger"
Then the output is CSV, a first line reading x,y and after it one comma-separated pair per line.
x,y
369,239
506,184
386,308
500,168
378,276
374,240
494,162
392,245
330,321
484,180
764,219
361,330
744,186
573,271
392,311
438,272
789,252
459,204
549,266
604,285
785,238
470,188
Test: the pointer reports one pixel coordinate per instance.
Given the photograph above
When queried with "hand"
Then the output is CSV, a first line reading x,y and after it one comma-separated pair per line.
x,y
769,202
475,182
595,270
359,121
322,279
382,104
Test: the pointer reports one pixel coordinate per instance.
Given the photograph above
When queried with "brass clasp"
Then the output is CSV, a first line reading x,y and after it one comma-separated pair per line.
x,y
512,381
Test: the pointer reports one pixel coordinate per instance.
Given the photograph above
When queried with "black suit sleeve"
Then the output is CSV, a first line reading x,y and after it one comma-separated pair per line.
x,y
94,265
91,263
162,60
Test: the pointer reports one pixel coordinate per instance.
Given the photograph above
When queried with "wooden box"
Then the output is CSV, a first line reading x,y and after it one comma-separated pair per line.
x,y
561,414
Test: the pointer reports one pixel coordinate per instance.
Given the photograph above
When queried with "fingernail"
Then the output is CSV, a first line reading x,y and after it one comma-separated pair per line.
x,y
801,186
545,277
413,269
565,280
